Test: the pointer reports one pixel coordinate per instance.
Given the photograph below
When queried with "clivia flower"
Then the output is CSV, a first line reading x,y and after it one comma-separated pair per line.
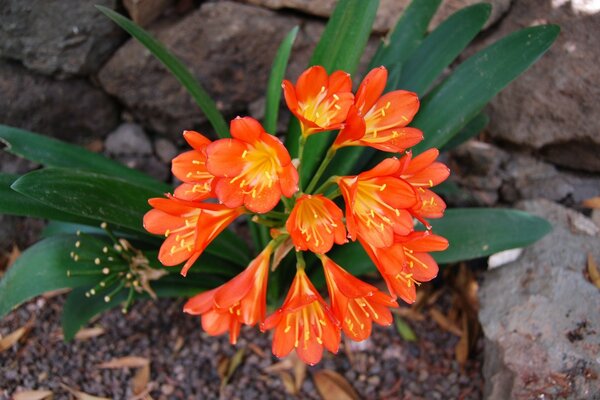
x,y
356,304
423,172
253,168
406,263
380,121
304,322
188,227
242,300
320,102
190,168
377,203
315,224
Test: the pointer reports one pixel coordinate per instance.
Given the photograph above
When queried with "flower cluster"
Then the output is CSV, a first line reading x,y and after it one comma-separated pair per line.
x,y
252,171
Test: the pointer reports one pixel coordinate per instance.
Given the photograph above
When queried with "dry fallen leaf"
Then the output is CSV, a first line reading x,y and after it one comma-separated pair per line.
x,y
13,255
232,365
257,350
333,386
12,338
54,293
444,322
33,395
79,395
89,333
179,342
461,350
592,269
288,383
125,362
139,382
593,202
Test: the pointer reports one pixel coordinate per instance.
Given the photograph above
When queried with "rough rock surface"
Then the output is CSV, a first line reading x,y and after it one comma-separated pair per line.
x,y
492,174
58,36
389,10
540,315
70,109
228,46
555,106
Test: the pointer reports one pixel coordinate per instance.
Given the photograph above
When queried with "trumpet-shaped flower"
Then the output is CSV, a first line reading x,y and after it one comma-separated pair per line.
x,y
242,300
380,121
190,168
423,172
377,203
304,322
253,168
315,224
356,304
319,101
407,263
188,227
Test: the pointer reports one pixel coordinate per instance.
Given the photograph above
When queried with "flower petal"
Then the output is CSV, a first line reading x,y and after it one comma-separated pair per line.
x,y
224,157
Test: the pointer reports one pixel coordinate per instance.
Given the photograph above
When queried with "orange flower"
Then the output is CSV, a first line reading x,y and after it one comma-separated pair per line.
x,y
376,203
190,168
356,303
253,168
242,300
188,226
315,224
422,172
380,121
406,263
303,322
319,101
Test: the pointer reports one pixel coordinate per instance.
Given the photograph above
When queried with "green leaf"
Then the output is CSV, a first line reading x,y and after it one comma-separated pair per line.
x,y
42,268
480,232
78,309
404,329
473,128
275,78
89,195
55,153
340,48
457,100
408,33
177,68
14,203
441,47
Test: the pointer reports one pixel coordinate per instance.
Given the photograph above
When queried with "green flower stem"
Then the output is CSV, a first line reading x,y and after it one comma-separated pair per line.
x,y
300,264
326,184
301,143
335,194
315,179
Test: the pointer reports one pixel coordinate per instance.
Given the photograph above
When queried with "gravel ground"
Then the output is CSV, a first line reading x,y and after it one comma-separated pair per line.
x,y
184,360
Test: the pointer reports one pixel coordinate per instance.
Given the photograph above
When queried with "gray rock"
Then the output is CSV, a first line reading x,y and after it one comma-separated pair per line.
x,y
71,109
229,47
128,139
66,37
389,10
145,11
540,316
555,107
165,150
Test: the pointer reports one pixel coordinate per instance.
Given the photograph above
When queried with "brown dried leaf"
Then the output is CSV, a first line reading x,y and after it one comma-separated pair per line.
x,y
79,395
12,338
593,202
288,383
257,350
444,322
299,372
592,269
284,365
232,365
125,362
54,293
222,367
33,395
13,255
90,333
139,382
461,350
333,386
179,342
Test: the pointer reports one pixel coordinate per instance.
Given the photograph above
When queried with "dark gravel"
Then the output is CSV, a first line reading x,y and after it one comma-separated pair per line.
x,y
385,366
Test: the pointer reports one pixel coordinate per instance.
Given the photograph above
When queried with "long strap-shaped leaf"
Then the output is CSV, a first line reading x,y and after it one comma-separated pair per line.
x,y
55,153
471,232
177,68
340,47
457,100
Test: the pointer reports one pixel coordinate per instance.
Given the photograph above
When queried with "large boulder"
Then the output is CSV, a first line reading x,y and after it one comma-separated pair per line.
x,y
554,108
389,10
65,37
71,109
540,315
228,46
